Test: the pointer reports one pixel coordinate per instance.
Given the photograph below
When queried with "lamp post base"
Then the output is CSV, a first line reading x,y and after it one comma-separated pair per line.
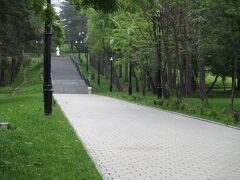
x,y
130,90
48,101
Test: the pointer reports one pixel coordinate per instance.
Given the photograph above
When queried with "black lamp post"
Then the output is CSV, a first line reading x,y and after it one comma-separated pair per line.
x,y
37,46
159,83
78,50
130,79
130,74
76,43
47,86
82,48
86,55
80,34
111,73
159,58
98,72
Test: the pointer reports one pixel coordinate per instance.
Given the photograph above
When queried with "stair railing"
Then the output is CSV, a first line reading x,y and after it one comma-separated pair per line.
x,y
83,76
77,65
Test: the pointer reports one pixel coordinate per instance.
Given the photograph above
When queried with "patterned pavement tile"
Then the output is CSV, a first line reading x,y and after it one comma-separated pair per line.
x,y
128,141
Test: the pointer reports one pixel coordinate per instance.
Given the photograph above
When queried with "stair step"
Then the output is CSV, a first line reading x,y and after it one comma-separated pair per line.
x,y
66,79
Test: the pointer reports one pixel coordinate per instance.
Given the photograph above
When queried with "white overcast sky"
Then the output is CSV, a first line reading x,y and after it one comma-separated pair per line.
x,y
57,1
56,4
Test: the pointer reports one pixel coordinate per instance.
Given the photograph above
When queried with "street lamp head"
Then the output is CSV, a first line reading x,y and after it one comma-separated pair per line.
x,y
36,42
81,33
111,59
76,42
81,42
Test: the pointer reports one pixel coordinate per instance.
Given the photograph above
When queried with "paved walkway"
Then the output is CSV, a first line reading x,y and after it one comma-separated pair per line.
x,y
128,141
66,79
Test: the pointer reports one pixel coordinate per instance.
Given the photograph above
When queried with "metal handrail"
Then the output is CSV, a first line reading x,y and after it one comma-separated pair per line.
x,y
76,65
83,76
86,79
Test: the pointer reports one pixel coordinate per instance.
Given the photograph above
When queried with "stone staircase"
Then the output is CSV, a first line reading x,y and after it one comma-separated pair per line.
x,y
66,78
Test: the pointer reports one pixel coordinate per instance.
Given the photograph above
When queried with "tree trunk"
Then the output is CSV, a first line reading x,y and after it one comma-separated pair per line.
x,y
157,39
0,64
93,57
212,85
234,79
136,78
169,69
87,61
2,70
224,86
238,78
202,86
19,62
188,75
179,64
130,78
194,84
181,76
99,67
168,58
107,70
165,90
116,79
150,82
126,73
13,70
144,83
120,71
174,76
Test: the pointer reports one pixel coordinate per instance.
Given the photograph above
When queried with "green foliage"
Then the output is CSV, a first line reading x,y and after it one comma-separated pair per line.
x,y
22,23
99,32
220,33
72,21
58,32
105,6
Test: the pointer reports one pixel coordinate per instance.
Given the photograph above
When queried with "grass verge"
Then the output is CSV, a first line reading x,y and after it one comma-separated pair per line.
x,y
38,146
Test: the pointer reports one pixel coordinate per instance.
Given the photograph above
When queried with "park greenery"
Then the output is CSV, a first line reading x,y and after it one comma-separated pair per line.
x,y
21,33
216,111
176,50
171,50
177,55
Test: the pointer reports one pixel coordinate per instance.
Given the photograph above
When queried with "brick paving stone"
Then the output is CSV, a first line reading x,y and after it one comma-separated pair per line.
x,y
128,141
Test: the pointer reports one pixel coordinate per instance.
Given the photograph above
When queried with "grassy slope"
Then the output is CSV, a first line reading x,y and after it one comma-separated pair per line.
x,y
218,110
37,146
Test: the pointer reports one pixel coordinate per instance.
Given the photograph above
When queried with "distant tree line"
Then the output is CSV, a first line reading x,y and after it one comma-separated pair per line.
x,y
21,33
173,44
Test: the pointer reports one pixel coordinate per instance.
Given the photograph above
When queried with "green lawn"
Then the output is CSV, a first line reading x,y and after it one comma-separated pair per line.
x,y
218,109
219,84
37,146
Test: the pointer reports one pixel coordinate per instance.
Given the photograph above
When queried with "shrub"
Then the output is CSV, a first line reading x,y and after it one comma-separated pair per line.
x,y
236,117
140,98
213,113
